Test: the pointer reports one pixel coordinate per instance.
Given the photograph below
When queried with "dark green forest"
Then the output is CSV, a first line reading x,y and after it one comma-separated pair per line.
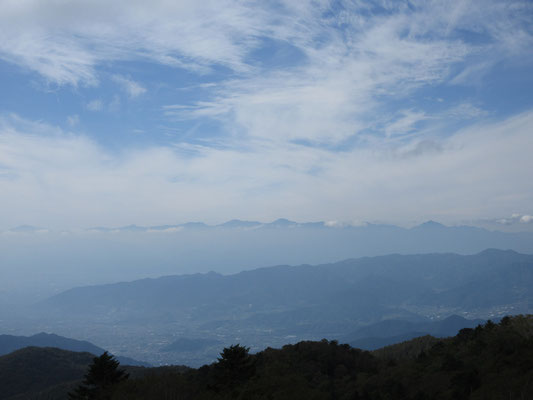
x,y
491,361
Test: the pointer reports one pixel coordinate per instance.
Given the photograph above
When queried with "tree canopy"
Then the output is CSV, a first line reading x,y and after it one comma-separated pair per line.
x,y
101,379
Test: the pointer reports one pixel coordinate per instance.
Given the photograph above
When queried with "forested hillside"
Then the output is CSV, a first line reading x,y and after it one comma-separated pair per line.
x,y
491,361
27,372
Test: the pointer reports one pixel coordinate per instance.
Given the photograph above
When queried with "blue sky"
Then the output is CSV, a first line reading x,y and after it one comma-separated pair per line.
x,y
113,113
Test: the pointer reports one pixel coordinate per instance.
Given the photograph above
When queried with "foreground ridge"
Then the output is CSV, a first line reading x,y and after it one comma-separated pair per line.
x,y
490,361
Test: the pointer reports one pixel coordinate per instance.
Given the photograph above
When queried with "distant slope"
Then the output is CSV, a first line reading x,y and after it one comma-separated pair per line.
x,y
10,343
235,246
446,327
188,345
388,332
374,343
408,349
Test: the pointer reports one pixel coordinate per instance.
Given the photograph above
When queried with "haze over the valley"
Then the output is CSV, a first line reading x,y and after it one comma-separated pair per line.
x,y
38,263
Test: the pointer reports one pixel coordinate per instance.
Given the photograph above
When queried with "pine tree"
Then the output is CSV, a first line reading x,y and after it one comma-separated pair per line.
x,y
235,366
100,380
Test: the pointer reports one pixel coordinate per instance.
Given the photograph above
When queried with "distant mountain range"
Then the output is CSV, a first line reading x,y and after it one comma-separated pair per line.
x,y
10,343
278,223
489,279
275,305
61,260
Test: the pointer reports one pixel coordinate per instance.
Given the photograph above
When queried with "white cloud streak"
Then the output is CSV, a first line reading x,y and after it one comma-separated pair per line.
x,y
65,41
349,77
526,219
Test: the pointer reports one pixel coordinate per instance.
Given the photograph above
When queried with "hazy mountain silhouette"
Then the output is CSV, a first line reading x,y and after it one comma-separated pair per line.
x,y
237,223
61,260
317,299
390,298
431,279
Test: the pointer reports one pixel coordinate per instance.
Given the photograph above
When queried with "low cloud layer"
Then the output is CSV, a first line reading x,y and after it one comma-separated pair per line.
x,y
53,178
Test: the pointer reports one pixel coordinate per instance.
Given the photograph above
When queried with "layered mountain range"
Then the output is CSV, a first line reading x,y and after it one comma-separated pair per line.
x,y
275,305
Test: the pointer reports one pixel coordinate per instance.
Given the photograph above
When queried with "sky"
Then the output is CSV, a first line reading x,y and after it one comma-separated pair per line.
x,y
163,112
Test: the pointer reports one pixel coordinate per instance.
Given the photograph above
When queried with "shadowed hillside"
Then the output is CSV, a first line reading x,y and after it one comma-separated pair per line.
x,y
34,369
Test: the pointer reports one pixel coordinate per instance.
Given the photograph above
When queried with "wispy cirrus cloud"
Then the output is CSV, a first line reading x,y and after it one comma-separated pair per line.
x,y
95,105
132,88
66,42
362,64
73,120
